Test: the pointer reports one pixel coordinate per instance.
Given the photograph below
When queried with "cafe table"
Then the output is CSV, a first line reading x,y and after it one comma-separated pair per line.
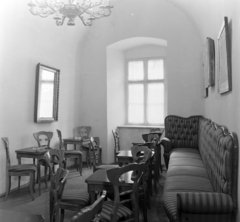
x,y
13,216
82,142
34,153
98,181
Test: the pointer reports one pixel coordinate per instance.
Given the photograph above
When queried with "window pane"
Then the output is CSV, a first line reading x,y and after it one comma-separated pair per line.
x,y
46,100
135,103
135,70
155,103
155,69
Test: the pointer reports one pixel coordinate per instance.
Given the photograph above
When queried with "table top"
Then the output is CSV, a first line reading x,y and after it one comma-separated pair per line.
x,y
124,153
76,139
34,150
12,216
99,177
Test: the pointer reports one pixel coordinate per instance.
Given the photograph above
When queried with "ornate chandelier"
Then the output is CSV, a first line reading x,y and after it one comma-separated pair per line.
x,y
88,11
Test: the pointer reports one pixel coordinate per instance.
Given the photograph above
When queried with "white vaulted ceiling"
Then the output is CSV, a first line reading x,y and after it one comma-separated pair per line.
x,y
203,13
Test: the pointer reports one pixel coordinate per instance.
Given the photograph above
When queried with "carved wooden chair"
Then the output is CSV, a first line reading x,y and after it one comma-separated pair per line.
x,y
73,199
116,144
43,138
115,210
84,132
143,155
18,170
92,212
71,154
95,159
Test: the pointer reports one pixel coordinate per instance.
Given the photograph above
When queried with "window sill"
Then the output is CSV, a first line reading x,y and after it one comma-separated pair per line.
x,y
141,126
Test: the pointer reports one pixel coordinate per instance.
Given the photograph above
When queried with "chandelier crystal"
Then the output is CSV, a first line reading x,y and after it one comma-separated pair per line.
x,y
88,11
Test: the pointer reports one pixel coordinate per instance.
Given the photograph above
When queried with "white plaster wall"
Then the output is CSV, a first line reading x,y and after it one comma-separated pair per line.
x,y
135,18
26,40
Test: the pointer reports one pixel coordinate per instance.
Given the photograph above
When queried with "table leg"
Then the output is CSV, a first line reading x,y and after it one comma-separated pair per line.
x,y
19,178
92,196
38,177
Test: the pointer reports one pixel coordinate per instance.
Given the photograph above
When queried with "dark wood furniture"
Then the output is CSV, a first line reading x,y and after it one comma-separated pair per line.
x,y
92,212
13,216
99,181
84,132
116,210
116,144
34,153
43,138
94,154
71,154
124,157
18,170
81,142
73,200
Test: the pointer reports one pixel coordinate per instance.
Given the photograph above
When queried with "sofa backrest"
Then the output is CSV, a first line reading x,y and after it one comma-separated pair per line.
x,y
219,151
183,132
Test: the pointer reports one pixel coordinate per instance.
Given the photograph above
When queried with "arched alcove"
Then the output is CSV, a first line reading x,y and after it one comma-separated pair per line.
x,y
117,54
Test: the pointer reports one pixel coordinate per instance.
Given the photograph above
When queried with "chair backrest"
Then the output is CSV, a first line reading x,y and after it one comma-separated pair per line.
x,y
58,181
94,151
54,156
116,140
59,133
6,144
141,153
90,213
43,138
115,177
84,131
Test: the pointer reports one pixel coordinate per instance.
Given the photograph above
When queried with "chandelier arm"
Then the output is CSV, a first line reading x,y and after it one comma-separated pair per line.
x,y
49,6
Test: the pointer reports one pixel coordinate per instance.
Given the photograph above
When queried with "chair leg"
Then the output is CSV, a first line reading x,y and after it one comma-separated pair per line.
x,y
45,176
62,215
8,186
31,185
19,181
80,164
34,182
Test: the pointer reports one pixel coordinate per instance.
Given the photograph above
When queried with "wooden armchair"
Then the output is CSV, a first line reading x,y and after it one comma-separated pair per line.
x,y
95,158
71,154
84,132
116,144
92,212
73,200
43,138
115,210
18,170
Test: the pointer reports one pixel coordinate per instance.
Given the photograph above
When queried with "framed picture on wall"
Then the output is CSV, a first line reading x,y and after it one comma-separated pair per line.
x,y
224,59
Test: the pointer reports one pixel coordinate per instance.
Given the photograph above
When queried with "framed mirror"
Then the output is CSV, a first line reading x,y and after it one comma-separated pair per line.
x,y
46,94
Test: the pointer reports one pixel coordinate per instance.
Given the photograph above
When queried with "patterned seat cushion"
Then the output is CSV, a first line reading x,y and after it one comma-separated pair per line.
x,y
123,212
23,167
76,197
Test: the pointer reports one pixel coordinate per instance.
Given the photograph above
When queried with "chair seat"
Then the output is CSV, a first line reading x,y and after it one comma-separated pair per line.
x,y
23,167
107,166
76,197
123,213
72,152
43,162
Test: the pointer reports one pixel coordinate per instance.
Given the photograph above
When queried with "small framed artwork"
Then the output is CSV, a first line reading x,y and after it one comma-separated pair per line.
x,y
224,59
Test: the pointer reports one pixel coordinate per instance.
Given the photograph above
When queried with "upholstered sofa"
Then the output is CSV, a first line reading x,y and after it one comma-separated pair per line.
x,y
202,162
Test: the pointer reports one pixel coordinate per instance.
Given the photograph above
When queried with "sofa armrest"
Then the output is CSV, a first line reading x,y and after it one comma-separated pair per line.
x,y
167,146
204,203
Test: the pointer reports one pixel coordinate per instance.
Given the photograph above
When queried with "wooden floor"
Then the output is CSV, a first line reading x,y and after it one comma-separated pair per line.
x,y
21,202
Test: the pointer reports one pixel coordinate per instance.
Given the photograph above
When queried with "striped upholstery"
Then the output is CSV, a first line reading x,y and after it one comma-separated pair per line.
x,y
76,197
123,212
201,179
208,203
